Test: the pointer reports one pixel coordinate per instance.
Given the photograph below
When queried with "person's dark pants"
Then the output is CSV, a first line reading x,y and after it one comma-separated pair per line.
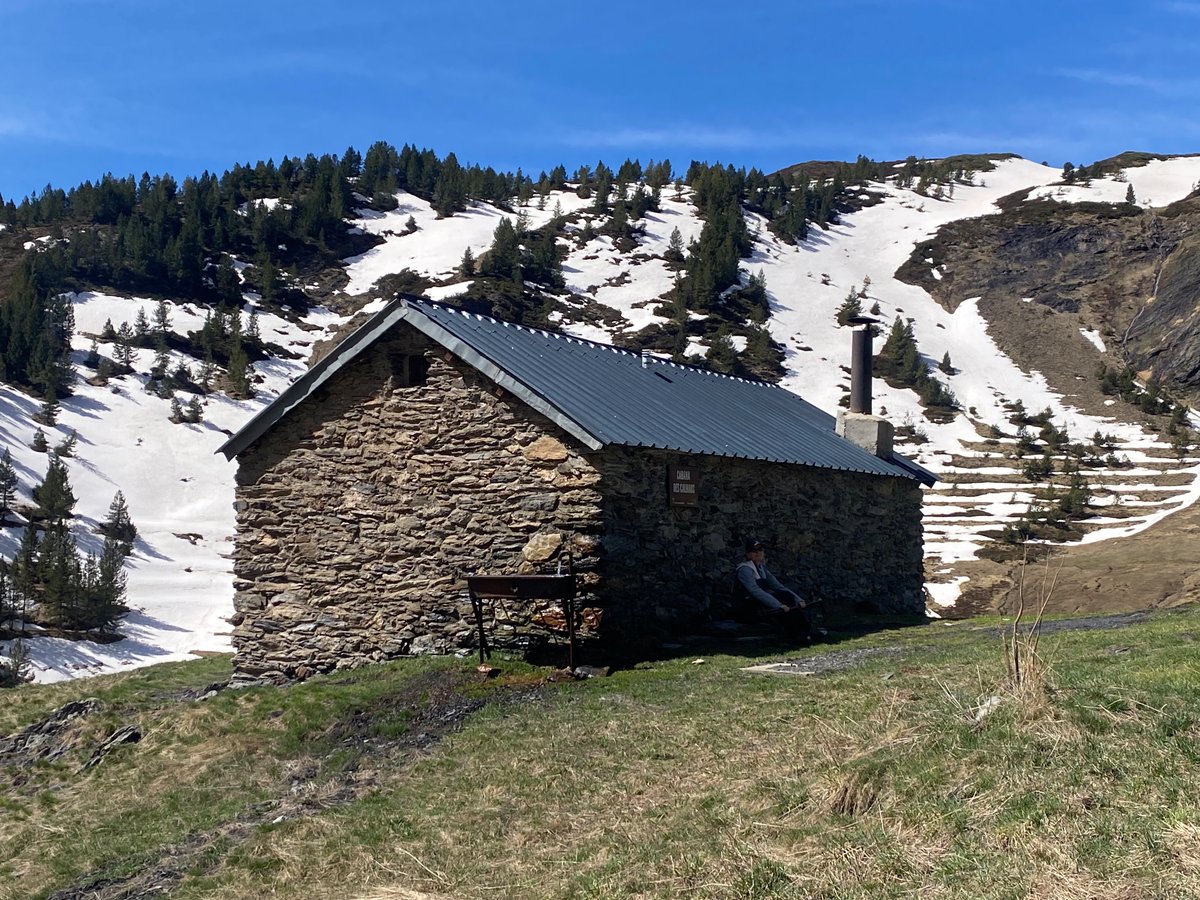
x,y
799,619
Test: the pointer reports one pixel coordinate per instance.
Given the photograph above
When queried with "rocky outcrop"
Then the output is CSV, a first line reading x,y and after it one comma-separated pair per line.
x,y
1045,268
1165,337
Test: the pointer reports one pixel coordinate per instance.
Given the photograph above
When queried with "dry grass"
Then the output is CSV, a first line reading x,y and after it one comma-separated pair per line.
x,y
1183,840
1027,671
670,781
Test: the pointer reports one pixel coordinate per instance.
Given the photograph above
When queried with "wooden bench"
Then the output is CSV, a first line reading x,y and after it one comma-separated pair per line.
x,y
524,587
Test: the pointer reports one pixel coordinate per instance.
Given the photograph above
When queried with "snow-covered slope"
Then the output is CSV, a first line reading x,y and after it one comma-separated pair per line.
x,y
1158,183
180,493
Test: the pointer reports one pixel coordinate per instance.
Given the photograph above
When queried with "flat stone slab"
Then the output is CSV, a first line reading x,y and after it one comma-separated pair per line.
x,y
1082,623
823,663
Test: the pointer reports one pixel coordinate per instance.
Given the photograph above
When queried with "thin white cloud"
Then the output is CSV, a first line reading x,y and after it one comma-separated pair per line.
x,y
1183,7
18,122
10,126
982,141
1166,87
686,135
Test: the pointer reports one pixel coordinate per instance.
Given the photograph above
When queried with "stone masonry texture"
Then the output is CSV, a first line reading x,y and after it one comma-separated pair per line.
x,y
360,514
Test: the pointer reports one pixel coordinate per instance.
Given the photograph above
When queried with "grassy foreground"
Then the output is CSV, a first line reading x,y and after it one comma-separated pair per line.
x,y
686,777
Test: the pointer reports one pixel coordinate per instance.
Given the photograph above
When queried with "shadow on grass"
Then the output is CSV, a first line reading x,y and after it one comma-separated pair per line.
x,y
725,637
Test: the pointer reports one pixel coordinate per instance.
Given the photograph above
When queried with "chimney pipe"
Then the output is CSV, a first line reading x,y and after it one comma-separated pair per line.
x,y
860,365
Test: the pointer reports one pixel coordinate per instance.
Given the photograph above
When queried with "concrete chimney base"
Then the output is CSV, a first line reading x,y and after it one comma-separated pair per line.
x,y
872,433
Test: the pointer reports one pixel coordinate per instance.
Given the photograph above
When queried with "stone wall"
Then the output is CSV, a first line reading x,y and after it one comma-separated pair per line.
x,y
361,513
850,538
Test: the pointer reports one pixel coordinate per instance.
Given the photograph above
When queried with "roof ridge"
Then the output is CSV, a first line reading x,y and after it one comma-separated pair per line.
x,y
571,338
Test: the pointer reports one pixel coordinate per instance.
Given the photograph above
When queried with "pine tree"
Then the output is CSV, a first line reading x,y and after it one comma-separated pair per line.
x,y
268,278
193,412
18,669
466,268
618,224
176,414
760,353
141,325
181,377
162,357
48,414
117,524
107,594
239,371
53,496
1130,197
945,365
503,260
208,370
851,306
722,354
8,485
59,576
229,288
162,318
23,574
65,448
674,251
123,349
39,443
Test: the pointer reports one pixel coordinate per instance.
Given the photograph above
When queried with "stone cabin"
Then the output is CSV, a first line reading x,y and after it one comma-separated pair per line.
x,y
434,443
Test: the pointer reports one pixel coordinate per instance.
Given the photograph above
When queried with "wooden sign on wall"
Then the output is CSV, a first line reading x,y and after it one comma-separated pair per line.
x,y
683,484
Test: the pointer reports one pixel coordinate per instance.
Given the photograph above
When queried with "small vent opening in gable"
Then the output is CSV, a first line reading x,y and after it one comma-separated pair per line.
x,y
408,369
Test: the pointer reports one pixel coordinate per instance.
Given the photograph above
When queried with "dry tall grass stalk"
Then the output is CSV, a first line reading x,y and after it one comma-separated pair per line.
x,y
1026,671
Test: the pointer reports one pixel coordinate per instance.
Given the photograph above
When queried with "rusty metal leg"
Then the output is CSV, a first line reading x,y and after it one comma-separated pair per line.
x,y
569,611
477,607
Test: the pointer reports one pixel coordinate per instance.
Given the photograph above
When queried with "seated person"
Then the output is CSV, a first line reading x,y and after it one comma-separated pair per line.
x,y
772,597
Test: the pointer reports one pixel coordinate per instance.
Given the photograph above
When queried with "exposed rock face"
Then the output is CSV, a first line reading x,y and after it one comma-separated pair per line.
x,y
1056,254
1133,275
1166,337
362,512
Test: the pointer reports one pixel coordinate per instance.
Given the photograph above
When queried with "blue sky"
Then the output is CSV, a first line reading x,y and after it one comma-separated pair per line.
x,y
126,86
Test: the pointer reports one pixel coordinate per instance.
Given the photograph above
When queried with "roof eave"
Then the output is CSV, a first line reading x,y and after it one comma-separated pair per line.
x,y
304,386
399,310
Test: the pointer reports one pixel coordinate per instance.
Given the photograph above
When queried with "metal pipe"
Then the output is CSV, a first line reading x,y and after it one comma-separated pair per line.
x,y
860,366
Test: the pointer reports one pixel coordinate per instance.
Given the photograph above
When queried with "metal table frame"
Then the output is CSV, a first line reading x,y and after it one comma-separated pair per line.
x,y
523,587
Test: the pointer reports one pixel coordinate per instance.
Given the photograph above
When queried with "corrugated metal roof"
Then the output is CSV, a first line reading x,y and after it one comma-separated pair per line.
x,y
605,395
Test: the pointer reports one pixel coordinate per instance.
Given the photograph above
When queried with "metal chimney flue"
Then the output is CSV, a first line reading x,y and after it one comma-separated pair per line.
x,y
860,364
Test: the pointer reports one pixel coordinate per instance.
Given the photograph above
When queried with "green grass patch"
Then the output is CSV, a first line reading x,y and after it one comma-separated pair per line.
x,y
684,777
